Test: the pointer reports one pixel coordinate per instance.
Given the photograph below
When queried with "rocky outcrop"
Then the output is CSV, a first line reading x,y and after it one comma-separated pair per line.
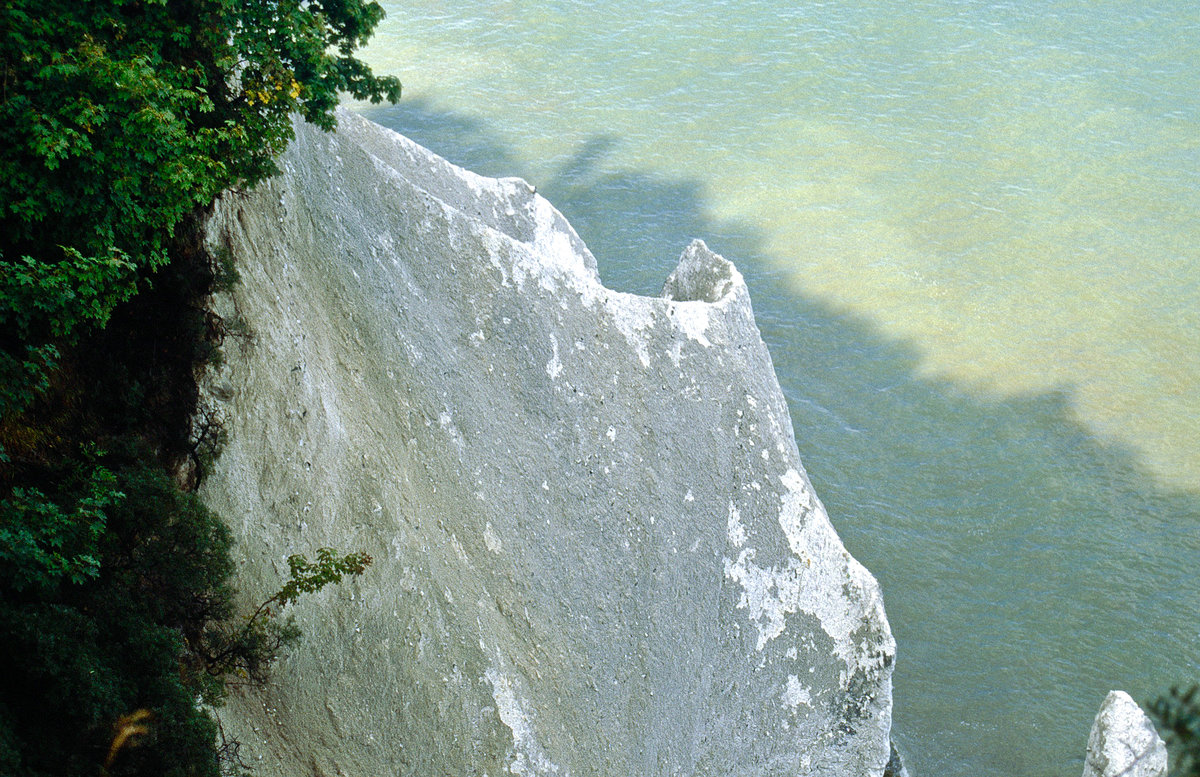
x,y
1123,742
596,551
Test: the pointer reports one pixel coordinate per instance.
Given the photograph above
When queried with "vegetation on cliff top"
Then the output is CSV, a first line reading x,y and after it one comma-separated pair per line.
x,y
119,117
121,120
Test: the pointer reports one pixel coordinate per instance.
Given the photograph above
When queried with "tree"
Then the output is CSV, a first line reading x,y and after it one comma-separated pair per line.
x,y
119,120
119,117
79,654
146,632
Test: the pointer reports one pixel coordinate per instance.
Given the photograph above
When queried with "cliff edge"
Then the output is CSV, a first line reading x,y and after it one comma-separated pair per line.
x,y
596,550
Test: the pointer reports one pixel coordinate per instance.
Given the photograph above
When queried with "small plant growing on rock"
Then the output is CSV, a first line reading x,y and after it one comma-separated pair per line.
x,y
244,656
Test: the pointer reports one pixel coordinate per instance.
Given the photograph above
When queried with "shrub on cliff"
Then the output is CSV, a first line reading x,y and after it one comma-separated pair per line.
x,y
83,650
119,119
139,632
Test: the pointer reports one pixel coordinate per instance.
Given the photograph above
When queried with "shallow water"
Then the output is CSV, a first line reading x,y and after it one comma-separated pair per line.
x,y
971,233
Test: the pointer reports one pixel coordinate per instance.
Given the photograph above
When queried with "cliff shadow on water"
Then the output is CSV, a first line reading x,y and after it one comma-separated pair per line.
x,y
1028,566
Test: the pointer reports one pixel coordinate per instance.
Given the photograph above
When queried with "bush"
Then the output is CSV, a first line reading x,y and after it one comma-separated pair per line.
x,y
1178,716
80,653
120,117
150,627
120,120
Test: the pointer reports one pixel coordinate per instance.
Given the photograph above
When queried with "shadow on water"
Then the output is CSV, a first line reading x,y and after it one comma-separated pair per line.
x,y
1028,567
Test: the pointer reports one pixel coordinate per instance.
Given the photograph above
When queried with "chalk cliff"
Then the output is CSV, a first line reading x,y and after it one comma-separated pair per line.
x,y
596,550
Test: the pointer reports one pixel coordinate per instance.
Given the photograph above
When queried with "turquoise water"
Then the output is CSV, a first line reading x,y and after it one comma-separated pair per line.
x,y
972,236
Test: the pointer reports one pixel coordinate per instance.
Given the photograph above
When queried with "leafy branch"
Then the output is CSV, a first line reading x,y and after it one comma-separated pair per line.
x,y
248,652
310,578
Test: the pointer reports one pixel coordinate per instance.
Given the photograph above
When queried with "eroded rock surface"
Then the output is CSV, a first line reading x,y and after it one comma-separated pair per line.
x,y
1123,742
596,551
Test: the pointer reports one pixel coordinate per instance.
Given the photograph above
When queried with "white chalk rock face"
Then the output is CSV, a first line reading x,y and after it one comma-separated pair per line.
x,y
1123,742
596,551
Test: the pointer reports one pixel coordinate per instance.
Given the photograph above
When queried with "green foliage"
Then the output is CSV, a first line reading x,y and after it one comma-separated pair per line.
x,y
310,578
120,117
120,120
55,300
243,655
42,303
145,623
1178,716
42,544
80,651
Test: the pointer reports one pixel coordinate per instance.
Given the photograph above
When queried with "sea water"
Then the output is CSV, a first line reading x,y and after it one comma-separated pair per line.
x,y
971,232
